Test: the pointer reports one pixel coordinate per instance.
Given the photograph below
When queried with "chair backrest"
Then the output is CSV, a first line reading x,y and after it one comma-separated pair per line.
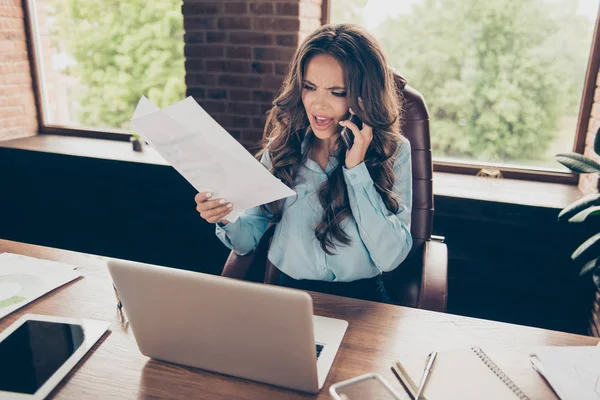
x,y
404,282
415,127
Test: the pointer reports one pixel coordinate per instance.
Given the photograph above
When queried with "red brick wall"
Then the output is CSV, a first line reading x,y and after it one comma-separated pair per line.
x,y
237,53
589,183
18,115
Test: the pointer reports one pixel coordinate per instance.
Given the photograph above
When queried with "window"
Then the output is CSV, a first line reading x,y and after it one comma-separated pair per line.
x,y
503,79
95,59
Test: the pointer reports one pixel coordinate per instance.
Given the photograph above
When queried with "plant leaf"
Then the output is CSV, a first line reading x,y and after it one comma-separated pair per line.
x,y
576,207
597,142
585,247
583,215
589,266
578,163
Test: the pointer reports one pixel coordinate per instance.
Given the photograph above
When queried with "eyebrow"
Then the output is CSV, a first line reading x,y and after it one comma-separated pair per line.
x,y
330,88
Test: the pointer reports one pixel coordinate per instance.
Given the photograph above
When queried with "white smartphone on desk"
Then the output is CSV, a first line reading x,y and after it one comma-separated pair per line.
x,y
38,351
371,386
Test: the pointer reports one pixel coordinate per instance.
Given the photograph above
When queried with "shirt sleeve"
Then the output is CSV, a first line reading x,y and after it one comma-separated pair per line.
x,y
386,235
243,235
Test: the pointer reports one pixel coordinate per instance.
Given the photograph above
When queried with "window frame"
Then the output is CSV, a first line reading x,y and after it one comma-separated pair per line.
x,y
585,110
37,86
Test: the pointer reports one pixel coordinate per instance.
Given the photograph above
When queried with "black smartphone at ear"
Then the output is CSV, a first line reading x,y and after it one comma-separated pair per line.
x,y
347,135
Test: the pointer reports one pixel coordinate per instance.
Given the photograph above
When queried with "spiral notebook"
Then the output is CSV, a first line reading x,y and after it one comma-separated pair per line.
x,y
460,374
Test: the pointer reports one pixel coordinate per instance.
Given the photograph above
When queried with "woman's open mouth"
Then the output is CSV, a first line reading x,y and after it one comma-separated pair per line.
x,y
321,122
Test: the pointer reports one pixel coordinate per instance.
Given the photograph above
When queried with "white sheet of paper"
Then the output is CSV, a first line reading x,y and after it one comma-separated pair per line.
x,y
189,139
24,279
572,371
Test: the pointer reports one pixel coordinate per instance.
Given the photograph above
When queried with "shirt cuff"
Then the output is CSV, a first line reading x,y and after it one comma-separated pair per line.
x,y
230,227
357,175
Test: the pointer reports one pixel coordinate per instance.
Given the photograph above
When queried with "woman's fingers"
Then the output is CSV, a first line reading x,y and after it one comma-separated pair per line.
x,y
352,126
215,215
212,211
202,196
210,204
367,132
216,211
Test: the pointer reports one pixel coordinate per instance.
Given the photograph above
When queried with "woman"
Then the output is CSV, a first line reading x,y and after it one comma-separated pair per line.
x,y
350,219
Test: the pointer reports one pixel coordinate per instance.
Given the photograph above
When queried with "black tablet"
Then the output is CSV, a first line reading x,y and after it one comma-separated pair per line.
x,y
38,351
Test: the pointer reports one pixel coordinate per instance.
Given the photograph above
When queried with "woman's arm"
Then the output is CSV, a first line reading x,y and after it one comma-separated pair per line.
x,y
385,234
243,235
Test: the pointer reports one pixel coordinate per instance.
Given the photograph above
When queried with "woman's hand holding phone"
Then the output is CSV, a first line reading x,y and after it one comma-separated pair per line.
x,y
362,139
212,211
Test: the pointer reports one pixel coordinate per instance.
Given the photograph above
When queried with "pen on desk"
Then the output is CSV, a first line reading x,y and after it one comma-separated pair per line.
x,y
426,373
404,378
119,304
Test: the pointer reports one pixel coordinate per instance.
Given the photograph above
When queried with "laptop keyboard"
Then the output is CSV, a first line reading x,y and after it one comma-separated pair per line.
x,y
319,349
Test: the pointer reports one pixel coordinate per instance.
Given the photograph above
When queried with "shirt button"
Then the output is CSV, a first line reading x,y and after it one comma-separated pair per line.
x,y
353,175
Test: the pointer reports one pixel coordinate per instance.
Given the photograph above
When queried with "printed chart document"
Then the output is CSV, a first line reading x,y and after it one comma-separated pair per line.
x,y
24,279
189,139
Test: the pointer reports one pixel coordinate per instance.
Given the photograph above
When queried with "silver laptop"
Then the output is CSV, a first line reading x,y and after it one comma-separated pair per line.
x,y
260,332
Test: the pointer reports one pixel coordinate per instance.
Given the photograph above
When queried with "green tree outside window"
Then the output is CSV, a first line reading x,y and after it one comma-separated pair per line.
x,y
502,78
122,50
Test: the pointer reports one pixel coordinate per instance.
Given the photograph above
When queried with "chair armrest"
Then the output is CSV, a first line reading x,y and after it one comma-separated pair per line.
x,y
251,266
433,294
237,266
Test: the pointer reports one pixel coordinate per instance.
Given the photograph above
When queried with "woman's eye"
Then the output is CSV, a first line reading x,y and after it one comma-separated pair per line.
x,y
308,87
339,94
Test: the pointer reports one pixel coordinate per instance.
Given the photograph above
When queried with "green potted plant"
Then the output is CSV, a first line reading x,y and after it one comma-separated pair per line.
x,y
586,211
136,141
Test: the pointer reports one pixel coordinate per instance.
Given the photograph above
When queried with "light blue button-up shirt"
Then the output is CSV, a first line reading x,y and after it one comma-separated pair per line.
x,y
380,239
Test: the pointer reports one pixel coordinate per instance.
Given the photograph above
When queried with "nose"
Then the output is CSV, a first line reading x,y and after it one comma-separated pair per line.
x,y
320,100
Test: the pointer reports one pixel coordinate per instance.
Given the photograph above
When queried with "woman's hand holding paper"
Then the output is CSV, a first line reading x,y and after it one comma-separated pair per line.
x,y
212,210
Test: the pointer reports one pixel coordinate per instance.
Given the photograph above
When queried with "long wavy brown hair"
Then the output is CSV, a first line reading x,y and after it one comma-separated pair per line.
x,y
366,75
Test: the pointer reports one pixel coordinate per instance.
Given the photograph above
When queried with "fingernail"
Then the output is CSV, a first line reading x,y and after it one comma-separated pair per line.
x,y
222,201
341,123
229,205
208,195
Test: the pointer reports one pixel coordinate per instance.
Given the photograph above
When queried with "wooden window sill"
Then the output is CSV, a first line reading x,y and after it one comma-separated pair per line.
x,y
507,191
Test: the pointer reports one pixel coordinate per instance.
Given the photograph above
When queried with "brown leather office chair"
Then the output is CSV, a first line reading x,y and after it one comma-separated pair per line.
x,y
421,280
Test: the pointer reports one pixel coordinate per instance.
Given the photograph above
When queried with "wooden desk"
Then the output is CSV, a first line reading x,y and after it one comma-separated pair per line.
x,y
377,335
